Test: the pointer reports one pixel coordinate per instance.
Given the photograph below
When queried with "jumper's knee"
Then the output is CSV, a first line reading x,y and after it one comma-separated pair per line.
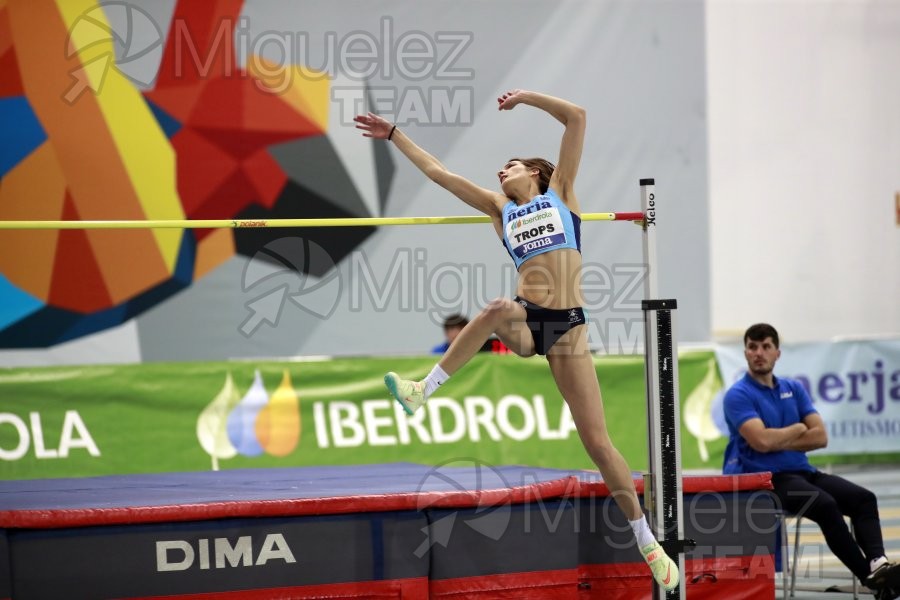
x,y
600,448
498,310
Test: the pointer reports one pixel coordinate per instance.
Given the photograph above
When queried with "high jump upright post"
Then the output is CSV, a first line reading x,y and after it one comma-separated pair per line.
x,y
663,482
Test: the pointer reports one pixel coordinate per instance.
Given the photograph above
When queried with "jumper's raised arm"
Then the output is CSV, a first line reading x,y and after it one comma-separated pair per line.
x,y
479,198
574,118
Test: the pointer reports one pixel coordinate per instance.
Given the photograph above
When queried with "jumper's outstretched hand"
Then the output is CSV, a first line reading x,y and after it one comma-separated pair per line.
x,y
510,99
373,126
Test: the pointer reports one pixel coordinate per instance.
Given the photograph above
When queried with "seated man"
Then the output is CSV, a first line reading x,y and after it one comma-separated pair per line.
x,y
772,424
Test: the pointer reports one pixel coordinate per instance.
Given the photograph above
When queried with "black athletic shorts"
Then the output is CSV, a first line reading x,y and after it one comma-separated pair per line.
x,y
547,325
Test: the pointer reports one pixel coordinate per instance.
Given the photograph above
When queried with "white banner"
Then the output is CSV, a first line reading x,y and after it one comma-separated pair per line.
x,y
855,386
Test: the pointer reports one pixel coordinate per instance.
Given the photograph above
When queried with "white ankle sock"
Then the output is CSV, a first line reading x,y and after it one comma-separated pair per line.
x,y
642,532
435,379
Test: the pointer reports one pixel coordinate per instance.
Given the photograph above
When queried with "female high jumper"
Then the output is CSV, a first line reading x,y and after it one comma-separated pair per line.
x,y
537,218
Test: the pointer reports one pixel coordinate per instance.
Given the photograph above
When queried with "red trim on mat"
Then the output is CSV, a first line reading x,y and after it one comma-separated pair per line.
x,y
567,487
415,589
691,485
529,584
54,519
727,483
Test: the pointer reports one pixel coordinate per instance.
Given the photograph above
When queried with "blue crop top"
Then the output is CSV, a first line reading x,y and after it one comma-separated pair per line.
x,y
543,224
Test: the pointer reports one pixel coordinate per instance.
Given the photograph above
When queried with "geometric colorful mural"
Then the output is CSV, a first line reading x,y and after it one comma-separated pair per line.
x,y
210,139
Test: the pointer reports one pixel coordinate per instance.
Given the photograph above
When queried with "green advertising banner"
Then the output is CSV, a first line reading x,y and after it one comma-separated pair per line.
x,y
169,417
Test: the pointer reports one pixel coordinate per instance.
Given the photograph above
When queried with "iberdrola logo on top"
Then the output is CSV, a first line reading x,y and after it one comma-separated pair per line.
x,y
251,425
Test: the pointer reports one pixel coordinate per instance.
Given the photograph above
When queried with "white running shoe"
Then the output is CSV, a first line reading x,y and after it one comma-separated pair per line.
x,y
410,394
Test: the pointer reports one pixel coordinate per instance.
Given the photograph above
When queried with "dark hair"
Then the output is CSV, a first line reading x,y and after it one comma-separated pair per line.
x,y
545,168
455,321
760,332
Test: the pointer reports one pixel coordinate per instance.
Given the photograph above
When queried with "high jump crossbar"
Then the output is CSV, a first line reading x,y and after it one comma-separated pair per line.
x,y
270,223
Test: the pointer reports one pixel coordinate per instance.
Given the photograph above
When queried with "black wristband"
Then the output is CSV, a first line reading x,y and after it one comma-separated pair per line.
x,y
391,133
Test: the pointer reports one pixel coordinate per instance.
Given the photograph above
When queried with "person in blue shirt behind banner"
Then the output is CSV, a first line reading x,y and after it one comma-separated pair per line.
x,y
452,326
773,424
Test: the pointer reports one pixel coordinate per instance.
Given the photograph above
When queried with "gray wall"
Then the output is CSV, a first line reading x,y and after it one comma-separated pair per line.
x,y
804,149
636,67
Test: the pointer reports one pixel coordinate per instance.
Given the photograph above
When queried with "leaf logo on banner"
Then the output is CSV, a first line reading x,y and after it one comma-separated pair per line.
x,y
242,420
253,424
278,423
211,424
698,416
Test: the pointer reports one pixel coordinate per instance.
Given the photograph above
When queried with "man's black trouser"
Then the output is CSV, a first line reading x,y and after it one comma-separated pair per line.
x,y
825,499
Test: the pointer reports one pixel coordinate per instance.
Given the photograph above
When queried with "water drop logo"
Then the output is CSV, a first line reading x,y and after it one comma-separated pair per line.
x,y
252,424
211,424
242,420
278,423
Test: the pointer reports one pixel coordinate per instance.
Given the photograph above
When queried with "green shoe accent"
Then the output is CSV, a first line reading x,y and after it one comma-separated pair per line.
x,y
664,569
410,394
